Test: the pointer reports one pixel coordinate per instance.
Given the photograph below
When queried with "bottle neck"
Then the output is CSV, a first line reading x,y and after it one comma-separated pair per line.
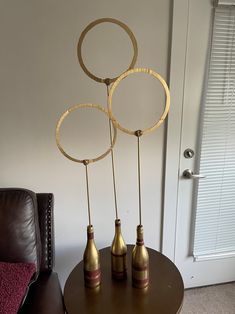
x,y
117,226
90,233
140,235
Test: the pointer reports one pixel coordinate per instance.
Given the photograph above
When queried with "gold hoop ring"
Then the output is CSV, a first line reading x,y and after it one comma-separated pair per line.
x,y
86,30
167,105
64,115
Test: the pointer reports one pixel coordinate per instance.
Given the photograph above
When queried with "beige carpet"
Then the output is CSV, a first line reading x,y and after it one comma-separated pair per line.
x,y
219,299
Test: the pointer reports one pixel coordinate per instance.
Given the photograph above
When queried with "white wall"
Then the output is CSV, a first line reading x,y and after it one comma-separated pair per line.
x,y
40,77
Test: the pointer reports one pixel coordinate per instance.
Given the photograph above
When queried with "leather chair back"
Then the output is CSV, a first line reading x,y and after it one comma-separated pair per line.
x,y
27,228
19,228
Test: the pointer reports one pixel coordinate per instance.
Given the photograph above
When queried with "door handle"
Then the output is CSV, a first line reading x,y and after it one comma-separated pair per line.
x,y
188,174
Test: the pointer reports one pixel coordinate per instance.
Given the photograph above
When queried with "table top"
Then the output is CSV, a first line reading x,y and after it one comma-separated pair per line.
x,y
164,295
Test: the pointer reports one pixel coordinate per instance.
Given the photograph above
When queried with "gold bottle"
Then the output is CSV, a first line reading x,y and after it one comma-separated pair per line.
x,y
140,262
118,253
91,261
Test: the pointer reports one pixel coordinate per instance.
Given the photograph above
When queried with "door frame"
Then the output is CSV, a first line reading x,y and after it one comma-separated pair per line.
x,y
174,125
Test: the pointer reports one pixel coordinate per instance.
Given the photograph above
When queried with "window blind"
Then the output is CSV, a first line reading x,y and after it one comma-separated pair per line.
x,y
214,233
224,2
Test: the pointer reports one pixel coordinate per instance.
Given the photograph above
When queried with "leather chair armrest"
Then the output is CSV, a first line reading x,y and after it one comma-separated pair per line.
x,y
44,296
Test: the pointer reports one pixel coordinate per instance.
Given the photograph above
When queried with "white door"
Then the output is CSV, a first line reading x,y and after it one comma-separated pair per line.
x,y
192,28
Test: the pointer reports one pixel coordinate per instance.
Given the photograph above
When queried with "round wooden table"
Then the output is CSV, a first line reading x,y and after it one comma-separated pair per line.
x,y
164,295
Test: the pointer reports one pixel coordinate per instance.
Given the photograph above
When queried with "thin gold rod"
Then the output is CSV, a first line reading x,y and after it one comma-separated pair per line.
x,y
88,197
138,141
112,159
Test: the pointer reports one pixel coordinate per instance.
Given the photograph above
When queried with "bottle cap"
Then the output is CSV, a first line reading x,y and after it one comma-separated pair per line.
x,y
140,235
117,222
90,232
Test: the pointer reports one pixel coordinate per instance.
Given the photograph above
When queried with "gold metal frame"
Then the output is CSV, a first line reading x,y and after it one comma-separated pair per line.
x,y
83,34
164,114
64,115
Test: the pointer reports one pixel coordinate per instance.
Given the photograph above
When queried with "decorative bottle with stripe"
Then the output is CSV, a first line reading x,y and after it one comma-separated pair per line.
x,y
91,261
140,262
118,253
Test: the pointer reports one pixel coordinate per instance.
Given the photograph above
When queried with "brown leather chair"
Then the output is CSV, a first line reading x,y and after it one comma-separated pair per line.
x,y
27,235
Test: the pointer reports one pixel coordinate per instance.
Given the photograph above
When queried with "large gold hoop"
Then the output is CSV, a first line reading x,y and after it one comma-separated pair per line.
x,y
86,30
167,104
64,115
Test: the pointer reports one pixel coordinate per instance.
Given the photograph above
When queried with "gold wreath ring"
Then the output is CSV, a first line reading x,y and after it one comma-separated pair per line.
x,y
167,105
64,115
86,30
